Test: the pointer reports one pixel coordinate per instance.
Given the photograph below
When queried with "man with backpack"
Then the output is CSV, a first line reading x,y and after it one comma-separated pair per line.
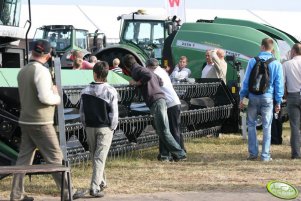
x,y
262,83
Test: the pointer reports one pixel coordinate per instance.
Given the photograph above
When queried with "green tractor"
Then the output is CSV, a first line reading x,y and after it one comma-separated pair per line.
x,y
65,38
148,36
141,35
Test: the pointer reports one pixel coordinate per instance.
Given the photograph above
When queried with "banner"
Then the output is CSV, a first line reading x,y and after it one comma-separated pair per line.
x,y
176,7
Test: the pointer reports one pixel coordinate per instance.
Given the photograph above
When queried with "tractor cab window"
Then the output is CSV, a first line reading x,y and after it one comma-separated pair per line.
x,y
158,31
81,39
59,39
10,12
63,40
144,33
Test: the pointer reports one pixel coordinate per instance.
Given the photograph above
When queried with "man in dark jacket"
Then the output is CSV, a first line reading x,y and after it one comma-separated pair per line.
x,y
149,85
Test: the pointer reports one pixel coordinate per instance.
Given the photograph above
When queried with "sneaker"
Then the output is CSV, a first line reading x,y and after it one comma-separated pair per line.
x,y
164,158
182,158
266,160
80,193
296,157
96,193
252,158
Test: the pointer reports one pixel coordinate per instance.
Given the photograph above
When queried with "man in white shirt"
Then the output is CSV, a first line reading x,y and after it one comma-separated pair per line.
x,y
216,65
173,107
181,71
208,66
292,80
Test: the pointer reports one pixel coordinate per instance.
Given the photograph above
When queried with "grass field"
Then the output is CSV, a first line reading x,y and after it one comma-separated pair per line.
x,y
213,164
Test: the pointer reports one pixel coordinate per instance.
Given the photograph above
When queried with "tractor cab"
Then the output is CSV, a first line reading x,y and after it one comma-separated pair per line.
x,y
65,38
148,32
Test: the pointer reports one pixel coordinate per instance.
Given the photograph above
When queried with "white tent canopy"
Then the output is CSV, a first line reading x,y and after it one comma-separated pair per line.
x,y
91,17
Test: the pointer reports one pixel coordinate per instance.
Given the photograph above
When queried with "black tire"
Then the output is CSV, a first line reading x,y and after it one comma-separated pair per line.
x,y
110,54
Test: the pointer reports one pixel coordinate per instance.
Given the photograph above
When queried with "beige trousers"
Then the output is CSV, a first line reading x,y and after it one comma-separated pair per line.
x,y
44,138
99,141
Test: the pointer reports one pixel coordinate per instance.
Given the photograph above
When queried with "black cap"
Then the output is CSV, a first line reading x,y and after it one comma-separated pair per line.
x,y
41,47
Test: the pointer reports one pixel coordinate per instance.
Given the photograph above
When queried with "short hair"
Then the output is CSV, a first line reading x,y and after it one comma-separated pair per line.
x,y
297,48
101,69
129,60
93,59
152,63
184,58
116,61
267,43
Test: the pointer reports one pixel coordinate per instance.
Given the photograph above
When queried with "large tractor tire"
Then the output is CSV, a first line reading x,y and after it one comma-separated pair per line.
x,y
111,53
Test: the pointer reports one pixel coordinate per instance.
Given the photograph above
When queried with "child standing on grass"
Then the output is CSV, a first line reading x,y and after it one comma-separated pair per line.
x,y
99,115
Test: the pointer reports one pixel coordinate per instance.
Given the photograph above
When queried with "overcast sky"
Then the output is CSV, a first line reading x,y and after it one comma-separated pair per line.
x,y
89,14
281,5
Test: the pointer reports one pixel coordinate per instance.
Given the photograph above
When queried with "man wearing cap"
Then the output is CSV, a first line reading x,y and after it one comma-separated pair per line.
x,y
38,97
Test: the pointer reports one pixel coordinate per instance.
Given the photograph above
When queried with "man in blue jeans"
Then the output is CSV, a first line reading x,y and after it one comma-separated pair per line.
x,y
149,85
262,104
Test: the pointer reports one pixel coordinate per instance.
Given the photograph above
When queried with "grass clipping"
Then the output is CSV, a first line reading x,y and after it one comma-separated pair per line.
x,y
217,164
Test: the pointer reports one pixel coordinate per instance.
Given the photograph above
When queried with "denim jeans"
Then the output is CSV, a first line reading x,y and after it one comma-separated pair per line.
x,y
263,106
174,118
294,112
159,112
